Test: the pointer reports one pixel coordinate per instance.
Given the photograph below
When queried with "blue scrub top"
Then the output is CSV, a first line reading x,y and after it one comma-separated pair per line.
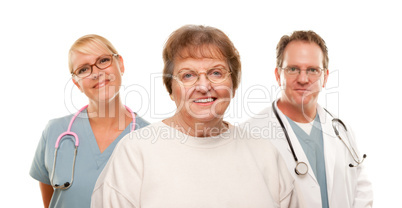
x,y
313,147
89,162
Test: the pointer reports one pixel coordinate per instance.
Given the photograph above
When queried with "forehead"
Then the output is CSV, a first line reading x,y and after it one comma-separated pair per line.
x,y
198,64
79,58
301,53
199,57
200,51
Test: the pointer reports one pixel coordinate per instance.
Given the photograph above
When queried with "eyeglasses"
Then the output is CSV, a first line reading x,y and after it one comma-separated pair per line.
x,y
102,62
189,77
311,71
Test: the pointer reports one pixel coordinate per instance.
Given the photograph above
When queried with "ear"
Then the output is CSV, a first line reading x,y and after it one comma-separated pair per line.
x,y
325,78
121,64
278,76
77,84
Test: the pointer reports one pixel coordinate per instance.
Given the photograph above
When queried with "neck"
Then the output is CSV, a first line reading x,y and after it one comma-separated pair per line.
x,y
298,113
197,128
112,115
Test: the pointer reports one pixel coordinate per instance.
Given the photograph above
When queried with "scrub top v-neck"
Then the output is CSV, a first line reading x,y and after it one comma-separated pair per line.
x,y
89,162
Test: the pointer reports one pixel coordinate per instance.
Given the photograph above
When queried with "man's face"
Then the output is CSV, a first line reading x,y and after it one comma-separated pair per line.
x,y
301,90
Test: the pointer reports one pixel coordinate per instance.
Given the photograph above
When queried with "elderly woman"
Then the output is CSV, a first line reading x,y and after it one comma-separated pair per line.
x,y
68,164
195,158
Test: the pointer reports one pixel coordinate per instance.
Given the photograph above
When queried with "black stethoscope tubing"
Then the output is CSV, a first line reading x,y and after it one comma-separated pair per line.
x,y
301,167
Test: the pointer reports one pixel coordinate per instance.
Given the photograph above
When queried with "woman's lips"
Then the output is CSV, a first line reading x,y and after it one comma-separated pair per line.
x,y
101,84
204,101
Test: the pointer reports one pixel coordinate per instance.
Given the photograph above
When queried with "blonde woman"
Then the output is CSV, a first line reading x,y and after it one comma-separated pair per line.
x,y
74,149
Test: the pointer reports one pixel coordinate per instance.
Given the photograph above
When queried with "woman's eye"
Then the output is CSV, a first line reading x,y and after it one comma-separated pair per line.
x,y
104,60
215,73
83,70
188,75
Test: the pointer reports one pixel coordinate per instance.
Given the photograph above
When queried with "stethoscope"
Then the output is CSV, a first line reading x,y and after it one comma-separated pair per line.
x,y
301,167
67,185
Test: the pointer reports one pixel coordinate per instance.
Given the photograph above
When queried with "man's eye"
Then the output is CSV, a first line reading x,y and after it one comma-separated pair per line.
x,y
293,69
313,70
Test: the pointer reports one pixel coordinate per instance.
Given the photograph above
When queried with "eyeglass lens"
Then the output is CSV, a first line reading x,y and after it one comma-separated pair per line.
x,y
102,62
215,75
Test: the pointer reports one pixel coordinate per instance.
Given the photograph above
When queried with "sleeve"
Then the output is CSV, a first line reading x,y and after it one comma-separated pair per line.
x,y
364,191
107,196
119,184
38,169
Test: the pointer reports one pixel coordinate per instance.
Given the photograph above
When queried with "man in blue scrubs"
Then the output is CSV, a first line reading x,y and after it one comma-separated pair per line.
x,y
328,181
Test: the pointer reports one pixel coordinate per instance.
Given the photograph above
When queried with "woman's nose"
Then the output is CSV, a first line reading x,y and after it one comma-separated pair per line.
x,y
203,85
96,73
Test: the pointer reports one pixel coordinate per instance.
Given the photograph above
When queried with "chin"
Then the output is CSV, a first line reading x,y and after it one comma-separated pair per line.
x,y
304,101
205,115
107,98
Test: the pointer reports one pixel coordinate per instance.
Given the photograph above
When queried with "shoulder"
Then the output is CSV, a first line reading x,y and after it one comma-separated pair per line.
x,y
133,147
259,119
61,121
265,113
259,145
269,160
146,134
140,122
56,126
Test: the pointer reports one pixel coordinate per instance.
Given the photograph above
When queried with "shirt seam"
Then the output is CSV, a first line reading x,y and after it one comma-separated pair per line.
x,y
118,192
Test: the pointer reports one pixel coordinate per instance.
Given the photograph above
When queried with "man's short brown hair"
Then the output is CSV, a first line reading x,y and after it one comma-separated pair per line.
x,y
301,35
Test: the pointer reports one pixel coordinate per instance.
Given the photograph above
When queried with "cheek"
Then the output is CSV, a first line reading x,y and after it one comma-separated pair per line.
x,y
178,93
282,81
83,85
225,91
318,84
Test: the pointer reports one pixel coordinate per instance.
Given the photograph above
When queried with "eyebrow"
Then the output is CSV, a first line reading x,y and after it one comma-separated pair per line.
x,y
300,67
214,66
96,60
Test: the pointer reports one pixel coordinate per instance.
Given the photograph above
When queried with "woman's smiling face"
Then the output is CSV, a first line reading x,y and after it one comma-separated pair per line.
x,y
102,85
204,101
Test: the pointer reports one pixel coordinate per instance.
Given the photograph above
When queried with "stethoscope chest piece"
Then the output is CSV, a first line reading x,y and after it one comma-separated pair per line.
x,y
301,168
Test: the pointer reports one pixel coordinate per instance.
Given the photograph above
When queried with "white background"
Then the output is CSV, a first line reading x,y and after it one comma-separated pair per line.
x,y
363,37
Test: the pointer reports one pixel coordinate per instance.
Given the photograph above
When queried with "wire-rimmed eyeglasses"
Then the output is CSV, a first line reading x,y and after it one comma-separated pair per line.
x,y
310,71
189,77
102,62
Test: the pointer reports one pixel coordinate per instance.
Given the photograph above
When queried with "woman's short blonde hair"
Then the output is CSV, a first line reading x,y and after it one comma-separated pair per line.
x,y
197,41
90,44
